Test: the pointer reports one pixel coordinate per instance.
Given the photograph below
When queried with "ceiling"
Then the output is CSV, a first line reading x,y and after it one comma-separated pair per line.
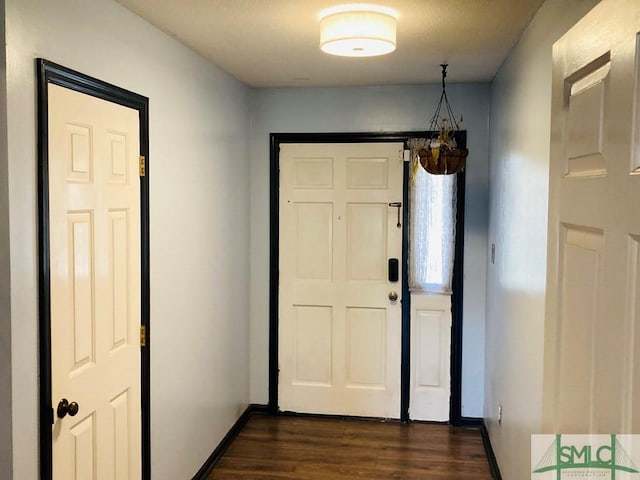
x,y
274,43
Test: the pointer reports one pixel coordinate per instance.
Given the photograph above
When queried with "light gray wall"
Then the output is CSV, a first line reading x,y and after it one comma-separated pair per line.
x,y
371,109
519,175
5,275
199,188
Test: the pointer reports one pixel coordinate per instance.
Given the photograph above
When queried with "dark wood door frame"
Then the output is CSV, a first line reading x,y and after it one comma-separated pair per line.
x,y
51,73
455,403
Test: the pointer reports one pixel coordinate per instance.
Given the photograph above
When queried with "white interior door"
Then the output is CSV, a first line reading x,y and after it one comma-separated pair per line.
x,y
94,219
339,334
592,355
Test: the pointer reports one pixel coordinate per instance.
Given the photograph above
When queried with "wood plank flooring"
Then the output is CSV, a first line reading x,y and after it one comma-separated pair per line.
x,y
303,448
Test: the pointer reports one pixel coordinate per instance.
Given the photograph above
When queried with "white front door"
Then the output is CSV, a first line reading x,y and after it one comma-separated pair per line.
x,y
94,215
339,332
592,353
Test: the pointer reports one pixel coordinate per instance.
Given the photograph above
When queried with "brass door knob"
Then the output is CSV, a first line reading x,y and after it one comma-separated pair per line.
x,y
393,296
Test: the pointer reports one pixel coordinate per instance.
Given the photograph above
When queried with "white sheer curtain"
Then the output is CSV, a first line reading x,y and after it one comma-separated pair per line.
x,y
432,227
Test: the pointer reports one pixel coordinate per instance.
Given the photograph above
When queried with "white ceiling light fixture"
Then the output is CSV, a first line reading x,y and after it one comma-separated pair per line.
x,y
358,30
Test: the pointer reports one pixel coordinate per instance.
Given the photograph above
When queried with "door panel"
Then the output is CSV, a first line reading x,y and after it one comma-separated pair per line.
x,y
429,352
339,337
313,359
430,357
314,228
366,347
366,241
591,354
94,212
581,265
633,306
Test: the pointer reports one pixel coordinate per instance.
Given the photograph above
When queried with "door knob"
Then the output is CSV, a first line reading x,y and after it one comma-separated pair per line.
x,y
64,408
393,296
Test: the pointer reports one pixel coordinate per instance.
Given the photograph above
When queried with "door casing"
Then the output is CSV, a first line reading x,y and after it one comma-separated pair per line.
x,y
455,403
51,73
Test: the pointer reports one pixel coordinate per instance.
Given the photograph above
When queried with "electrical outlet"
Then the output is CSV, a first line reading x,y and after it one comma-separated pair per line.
x,y
500,414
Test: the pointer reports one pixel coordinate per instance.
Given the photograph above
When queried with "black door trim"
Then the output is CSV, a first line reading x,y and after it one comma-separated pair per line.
x,y
51,73
455,408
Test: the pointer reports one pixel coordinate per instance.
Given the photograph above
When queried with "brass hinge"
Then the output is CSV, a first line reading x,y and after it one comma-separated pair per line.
x,y
143,166
143,336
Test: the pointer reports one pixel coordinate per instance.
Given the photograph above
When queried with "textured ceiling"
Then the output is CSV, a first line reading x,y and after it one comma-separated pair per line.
x,y
275,42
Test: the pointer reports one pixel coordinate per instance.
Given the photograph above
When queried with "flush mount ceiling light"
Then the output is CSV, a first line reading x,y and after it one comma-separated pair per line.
x,y
358,30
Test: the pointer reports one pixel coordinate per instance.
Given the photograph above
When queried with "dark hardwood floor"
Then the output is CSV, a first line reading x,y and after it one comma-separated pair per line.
x,y
305,448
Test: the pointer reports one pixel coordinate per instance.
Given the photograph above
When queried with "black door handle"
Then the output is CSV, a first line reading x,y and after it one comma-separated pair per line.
x,y
64,408
398,205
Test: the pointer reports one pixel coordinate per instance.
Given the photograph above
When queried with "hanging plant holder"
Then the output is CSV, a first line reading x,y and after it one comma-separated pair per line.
x,y
442,155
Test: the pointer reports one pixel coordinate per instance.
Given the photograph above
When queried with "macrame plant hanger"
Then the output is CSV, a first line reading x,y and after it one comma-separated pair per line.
x,y
442,156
